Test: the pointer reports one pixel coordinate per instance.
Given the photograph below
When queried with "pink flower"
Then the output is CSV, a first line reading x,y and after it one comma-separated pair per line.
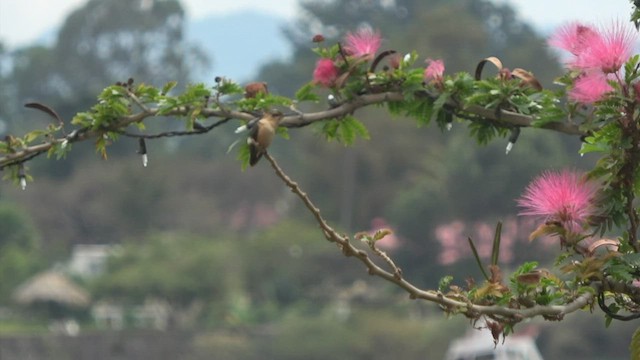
x,y
562,196
609,51
434,70
606,49
573,37
325,72
365,42
589,88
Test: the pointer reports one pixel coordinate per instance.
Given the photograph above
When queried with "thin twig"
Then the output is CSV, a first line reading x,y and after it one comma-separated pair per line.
x,y
383,255
202,130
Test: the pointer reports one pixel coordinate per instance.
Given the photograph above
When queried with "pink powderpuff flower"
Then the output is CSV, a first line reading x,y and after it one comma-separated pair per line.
x,y
434,71
364,43
573,37
325,72
564,196
609,51
589,88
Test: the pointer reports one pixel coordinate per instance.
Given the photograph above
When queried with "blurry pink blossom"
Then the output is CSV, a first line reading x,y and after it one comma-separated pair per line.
x,y
451,237
562,196
434,70
604,48
573,37
389,242
365,42
589,88
453,240
325,72
608,51
483,238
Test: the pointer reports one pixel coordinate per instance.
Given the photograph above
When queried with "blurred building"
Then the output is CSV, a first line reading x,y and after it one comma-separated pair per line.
x,y
479,345
88,260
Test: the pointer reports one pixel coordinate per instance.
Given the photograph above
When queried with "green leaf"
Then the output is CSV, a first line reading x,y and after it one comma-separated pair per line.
x,y
631,259
82,119
168,86
634,347
244,155
31,136
349,129
526,267
283,132
444,283
345,130
607,321
477,257
59,150
330,128
228,87
305,93
630,72
588,147
495,252
380,234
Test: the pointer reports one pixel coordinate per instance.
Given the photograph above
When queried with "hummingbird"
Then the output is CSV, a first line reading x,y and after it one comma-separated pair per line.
x,y
261,135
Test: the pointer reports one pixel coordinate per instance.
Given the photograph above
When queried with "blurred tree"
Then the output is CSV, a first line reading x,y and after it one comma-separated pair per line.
x,y
458,31
20,251
99,44
182,270
275,286
240,280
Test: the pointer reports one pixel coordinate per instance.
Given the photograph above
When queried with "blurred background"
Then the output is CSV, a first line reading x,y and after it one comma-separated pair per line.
x,y
192,258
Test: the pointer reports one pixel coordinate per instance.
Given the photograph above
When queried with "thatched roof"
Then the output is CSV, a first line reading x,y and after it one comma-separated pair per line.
x,y
51,286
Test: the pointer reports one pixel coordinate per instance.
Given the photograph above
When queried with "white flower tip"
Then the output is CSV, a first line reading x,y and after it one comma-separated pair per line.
x,y
448,126
145,160
240,129
407,57
23,183
509,147
64,143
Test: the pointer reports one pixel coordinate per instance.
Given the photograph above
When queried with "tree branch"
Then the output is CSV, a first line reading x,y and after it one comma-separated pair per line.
x,y
448,302
297,120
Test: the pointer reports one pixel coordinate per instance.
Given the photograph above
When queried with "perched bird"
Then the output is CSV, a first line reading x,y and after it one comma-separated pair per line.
x,y
253,89
262,133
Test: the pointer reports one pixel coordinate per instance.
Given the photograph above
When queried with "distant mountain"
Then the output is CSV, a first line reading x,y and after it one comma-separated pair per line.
x,y
238,43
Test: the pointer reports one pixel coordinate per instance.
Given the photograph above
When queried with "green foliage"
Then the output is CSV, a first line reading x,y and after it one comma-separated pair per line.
x,y
244,155
263,102
634,347
344,130
20,255
305,93
228,87
444,283
623,268
198,269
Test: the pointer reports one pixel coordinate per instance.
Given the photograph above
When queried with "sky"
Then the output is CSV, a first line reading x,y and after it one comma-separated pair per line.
x,y
24,21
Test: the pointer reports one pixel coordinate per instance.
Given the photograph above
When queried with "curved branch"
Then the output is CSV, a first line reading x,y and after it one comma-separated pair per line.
x,y
471,310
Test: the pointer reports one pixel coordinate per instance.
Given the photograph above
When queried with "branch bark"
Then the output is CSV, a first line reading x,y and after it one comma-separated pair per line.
x,y
449,303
